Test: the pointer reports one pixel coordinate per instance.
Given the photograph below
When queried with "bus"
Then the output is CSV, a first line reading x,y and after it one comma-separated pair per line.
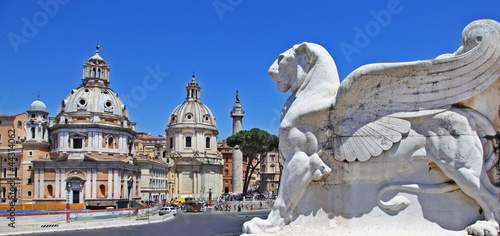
x,y
193,206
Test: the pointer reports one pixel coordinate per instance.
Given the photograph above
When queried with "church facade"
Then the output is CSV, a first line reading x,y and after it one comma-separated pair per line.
x,y
192,143
85,153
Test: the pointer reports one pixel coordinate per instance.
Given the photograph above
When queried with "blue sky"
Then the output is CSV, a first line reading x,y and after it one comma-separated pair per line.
x,y
229,44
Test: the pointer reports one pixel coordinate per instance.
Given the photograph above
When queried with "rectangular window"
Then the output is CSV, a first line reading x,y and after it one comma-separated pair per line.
x,y
4,172
30,153
29,193
30,167
188,141
15,172
171,143
207,142
29,181
0,138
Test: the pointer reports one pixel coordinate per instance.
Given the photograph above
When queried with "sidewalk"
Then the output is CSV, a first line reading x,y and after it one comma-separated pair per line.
x,y
91,223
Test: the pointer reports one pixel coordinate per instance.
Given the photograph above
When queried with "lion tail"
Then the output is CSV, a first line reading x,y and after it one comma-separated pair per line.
x,y
399,203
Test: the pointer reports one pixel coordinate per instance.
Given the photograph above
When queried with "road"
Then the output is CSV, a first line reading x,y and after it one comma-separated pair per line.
x,y
185,224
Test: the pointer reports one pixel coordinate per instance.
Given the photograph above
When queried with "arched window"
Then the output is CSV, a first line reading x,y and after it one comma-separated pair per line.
x,y
50,191
111,143
32,132
227,172
99,73
19,124
102,189
93,72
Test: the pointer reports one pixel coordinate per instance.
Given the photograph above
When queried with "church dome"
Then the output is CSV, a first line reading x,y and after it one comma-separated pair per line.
x,y
94,94
38,106
192,113
95,100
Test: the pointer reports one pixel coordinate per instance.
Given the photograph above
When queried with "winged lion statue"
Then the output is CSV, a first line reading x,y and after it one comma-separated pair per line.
x,y
391,119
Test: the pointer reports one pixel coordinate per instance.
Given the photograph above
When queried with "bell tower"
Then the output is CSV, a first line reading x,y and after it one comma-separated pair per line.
x,y
37,126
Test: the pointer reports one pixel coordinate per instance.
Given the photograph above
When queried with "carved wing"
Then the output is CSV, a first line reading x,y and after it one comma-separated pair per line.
x,y
372,101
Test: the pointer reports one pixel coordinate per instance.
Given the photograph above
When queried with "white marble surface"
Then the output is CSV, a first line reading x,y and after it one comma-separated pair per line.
x,y
396,148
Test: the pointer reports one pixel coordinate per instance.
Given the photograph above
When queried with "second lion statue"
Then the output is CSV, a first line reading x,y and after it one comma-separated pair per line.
x,y
390,124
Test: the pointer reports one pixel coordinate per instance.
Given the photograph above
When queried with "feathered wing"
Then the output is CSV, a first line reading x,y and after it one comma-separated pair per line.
x,y
372,101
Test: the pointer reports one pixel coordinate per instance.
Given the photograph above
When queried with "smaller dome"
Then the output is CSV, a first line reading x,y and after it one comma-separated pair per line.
x,y
96,56
38,106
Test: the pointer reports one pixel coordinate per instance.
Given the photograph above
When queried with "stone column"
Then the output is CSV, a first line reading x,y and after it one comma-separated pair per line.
x,y
237,114
36,184
178,183
110,183
88,183
134,185
117,188
194,183
237,171
63,184
94,183
125,185
57,184
42,185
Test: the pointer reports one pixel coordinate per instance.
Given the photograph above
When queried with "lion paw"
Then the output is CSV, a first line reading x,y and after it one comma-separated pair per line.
x,y
486,228
320,168
258,225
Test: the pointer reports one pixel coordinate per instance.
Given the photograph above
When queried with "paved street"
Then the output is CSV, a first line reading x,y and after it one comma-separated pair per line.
x,y
185,224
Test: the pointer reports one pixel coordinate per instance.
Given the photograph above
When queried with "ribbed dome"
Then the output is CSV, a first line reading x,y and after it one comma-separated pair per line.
x,y
93,99
191,114
38,106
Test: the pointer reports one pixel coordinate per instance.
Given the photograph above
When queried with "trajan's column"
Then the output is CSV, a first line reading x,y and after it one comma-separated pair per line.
x,y
237,114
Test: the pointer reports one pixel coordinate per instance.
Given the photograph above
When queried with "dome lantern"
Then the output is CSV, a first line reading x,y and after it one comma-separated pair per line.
x,y
96,71
193,91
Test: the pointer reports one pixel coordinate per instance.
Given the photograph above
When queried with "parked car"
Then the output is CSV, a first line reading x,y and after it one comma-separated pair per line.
x,y
165,210
173,210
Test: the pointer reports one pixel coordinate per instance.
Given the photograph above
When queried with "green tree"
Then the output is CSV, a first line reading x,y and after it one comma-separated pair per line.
x,y
254,144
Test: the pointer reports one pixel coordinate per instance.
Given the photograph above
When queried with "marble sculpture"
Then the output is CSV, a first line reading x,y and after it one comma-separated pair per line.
x,y
396,147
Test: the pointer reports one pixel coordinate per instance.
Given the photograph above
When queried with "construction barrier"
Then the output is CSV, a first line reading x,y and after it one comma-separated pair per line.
x,y
44,206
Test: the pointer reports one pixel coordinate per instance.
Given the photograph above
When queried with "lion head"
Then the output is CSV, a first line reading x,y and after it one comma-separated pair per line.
x,y
290,71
